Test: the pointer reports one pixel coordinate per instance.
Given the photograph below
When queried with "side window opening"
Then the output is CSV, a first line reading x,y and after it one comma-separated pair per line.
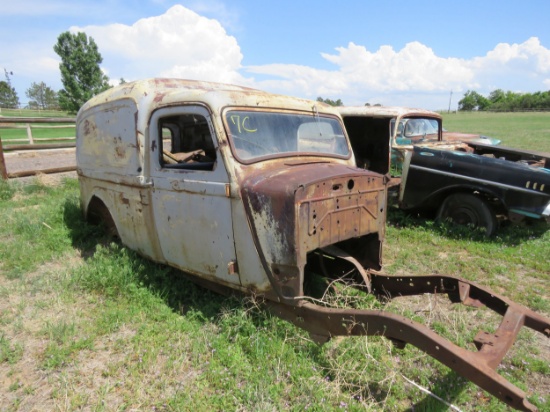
x,y
186,143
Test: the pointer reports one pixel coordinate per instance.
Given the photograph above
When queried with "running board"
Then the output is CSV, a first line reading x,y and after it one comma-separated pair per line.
x,y
478,367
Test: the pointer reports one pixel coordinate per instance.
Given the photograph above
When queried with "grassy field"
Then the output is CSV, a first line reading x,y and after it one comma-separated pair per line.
x,y
33,113
86,324
528,130
40,132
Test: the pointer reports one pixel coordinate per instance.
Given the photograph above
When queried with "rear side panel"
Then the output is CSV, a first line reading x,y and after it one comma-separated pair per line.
x,y
109,153
108,146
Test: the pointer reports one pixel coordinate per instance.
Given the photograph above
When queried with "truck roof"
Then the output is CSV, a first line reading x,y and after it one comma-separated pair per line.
x,y
385,111
150,94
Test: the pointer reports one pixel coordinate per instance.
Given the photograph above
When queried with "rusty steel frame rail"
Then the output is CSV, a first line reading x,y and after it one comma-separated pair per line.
x,y
478,367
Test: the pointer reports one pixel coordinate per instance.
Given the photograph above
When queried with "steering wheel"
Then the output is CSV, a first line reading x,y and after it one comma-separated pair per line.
x,y
194,155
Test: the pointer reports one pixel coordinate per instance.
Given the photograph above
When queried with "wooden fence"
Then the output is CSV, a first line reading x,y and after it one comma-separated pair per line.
x,y
34,143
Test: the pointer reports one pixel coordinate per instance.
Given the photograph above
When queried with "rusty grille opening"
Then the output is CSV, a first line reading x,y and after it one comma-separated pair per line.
x,y
323,267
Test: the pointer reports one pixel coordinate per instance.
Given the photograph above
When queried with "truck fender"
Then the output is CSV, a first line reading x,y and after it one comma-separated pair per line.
x,y
97,212
435,198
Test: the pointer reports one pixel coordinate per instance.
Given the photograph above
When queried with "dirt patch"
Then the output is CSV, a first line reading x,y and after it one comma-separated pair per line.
x,y
39,160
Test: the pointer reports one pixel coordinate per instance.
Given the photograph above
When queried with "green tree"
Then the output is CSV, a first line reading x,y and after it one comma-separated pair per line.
x,y
81,74
497,96
331,102
472,100
505,101
42,97
8,95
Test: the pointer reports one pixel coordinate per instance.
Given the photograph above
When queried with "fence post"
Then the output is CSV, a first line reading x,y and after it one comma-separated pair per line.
x,y
3,171
29,133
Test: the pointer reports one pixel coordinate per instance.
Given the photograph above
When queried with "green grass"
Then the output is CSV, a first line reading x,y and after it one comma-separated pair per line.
x,y
33,113
98,327
41,132
526,130
88,324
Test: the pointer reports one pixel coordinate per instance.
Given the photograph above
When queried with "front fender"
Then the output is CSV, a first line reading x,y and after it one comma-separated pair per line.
x,y
431,174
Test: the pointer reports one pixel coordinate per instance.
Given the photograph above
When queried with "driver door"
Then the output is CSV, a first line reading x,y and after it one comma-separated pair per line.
x,y
192,210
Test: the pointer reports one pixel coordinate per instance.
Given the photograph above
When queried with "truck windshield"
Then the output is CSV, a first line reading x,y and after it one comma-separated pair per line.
x,y
415,130
256,134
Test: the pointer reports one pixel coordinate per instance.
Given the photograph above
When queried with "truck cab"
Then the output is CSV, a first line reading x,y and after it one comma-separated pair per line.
x,y
232,185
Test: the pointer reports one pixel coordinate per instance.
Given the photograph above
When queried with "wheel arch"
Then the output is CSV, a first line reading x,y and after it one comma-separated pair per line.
x,y
493,197
97,212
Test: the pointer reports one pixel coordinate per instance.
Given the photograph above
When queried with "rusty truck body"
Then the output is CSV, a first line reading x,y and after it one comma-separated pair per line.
x,y
257,193
470,179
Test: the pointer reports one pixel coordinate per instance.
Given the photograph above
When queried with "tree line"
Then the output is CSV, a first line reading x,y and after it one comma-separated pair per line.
x,y
81,77
499,100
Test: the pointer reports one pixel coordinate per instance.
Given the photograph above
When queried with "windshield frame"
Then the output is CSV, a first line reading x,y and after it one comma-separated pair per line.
x,y
226,113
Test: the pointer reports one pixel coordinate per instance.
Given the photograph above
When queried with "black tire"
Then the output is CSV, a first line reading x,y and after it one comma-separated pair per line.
x,y
467,209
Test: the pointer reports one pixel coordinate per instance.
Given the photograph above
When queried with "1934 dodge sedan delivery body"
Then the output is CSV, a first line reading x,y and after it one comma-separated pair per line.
x,y
259,193
232,184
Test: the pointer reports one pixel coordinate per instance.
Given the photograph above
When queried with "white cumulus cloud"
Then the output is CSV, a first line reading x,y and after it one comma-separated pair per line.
x,y
414,75
415,67
179,43
362,76
531,53
523,67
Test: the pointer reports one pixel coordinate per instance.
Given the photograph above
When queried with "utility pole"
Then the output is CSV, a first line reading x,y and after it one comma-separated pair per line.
x,y
450,97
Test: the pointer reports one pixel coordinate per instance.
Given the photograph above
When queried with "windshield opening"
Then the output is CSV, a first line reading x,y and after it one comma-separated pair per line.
x,y
257,134
415,130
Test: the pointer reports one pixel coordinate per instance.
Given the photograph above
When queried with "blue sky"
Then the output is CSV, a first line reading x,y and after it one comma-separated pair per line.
x,y
389,52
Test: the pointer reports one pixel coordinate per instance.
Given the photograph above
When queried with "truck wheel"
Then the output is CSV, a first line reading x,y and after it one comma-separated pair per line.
x,y
467,209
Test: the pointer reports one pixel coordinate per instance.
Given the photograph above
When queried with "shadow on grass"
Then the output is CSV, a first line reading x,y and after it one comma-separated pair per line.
x,y
508,234
173,286
182,295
